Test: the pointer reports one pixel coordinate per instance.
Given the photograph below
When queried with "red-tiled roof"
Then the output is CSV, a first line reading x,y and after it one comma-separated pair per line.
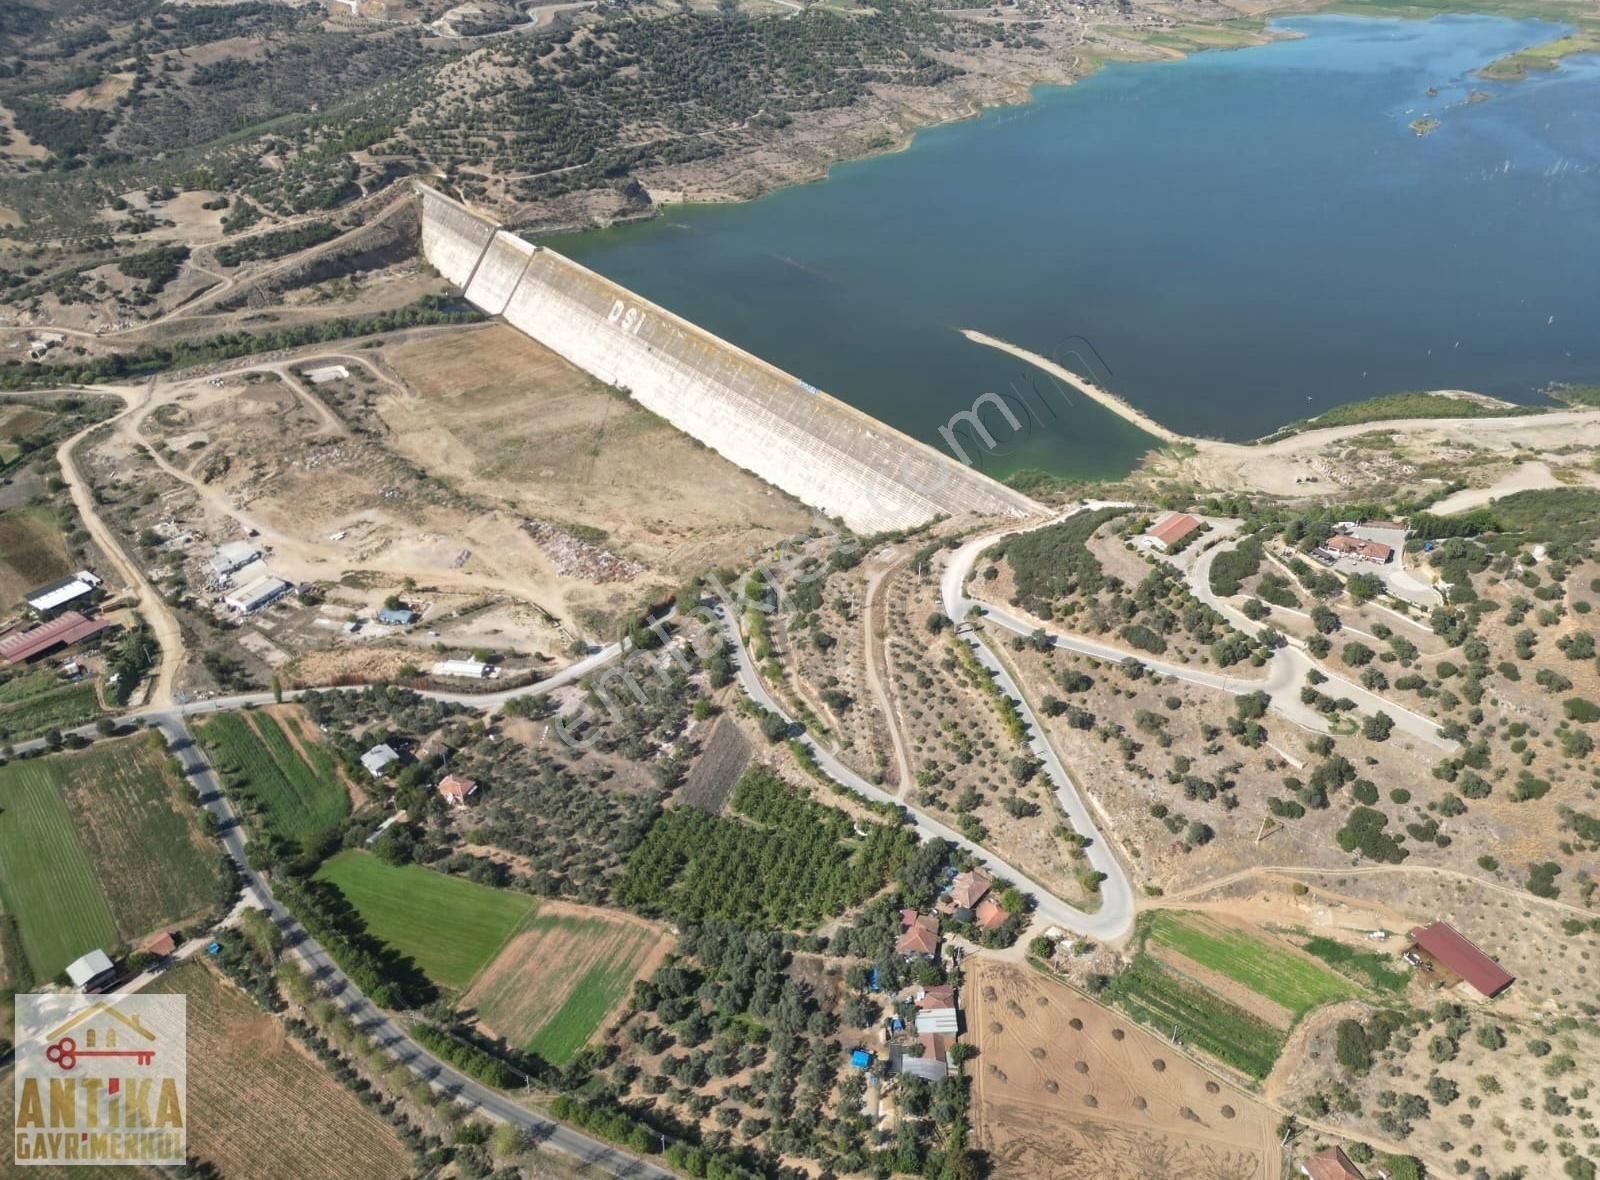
x,y
933,1046
918,940
990,915
1331,1164
64,630
453,786
1456,953
1172,529
1373,550
940,995
162,944
968,888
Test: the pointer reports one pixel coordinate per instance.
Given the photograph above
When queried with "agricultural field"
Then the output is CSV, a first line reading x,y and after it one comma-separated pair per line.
x,y
1157,995
259,1106
35,703
1277,972
450,926
97,847
561,975
291,780
1064,1088
32,551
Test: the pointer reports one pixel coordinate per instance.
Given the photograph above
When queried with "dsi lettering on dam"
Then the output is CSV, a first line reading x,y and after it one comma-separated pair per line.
x,y
824,453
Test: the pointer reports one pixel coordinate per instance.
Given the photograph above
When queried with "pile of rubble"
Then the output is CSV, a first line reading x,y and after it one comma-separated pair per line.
x,y
576,558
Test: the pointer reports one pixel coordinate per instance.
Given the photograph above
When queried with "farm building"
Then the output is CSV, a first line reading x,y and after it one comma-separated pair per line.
x,y
398,616
464,669
378,759
1342,545
969,889
932,1066
455,790
1331,1163
235,555
262,592
938,1020
92,972
1171,529
920,935
1441,945
323,374
940,995
160,944
52,596
59,633
990,915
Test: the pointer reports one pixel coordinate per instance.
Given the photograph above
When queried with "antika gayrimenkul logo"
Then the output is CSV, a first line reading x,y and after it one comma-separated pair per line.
x,y
101,1080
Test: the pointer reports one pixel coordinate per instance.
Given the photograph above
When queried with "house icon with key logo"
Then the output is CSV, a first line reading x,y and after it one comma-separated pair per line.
x,y
100,1030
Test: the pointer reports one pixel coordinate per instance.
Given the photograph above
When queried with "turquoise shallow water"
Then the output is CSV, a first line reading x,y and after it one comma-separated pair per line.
x,y
1231,242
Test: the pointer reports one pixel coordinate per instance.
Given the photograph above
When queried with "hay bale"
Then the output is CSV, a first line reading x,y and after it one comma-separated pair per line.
x,y
1159,1065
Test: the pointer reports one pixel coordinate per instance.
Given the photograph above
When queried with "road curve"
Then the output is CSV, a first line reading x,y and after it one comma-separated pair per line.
x,y
1111,921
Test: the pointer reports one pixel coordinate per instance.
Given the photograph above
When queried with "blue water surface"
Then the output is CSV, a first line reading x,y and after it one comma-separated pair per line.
x,y
1231,242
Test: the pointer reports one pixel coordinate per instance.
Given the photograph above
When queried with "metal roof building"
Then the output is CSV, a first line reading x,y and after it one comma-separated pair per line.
x,y
939,1020
62,631
262,592
469,669
1445,945
377,758
233,556
53,596
92,968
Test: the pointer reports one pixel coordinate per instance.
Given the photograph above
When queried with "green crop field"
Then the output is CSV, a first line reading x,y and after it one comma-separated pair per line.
x,y
59,706
553,985
452,927
258,761
97,847
1276,972
1375,969
1161,998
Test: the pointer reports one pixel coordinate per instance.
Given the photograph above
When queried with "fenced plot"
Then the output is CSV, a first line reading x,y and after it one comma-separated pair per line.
x,y
258,760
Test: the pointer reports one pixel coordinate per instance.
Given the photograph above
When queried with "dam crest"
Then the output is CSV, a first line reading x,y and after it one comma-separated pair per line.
x,y
824,453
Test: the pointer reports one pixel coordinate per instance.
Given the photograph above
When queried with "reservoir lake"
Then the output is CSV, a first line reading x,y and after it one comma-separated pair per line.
x,y
1231,242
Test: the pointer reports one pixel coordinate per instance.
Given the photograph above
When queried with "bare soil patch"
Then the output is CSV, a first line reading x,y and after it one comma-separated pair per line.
x,y
1063,1088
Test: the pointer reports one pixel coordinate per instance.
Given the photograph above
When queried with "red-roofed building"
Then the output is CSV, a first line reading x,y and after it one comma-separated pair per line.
x,y
990,915
920,934
62,631
160,944
1170,529
1330,1164
969,889
1445,946
454,789
1344,545
940,995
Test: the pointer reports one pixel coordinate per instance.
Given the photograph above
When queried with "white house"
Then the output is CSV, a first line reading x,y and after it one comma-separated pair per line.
x,y
377,759
466,669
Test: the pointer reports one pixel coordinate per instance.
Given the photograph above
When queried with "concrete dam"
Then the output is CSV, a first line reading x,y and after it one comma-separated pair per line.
x,y
823,452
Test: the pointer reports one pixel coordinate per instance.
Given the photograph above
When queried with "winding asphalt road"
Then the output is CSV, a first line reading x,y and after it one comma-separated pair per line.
x,y
1111,921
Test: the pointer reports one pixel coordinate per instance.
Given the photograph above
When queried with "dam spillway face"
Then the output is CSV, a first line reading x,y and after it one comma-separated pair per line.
x,y
826,454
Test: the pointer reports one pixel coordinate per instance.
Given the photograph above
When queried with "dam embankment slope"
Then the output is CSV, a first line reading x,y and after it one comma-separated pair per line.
x,y
823,452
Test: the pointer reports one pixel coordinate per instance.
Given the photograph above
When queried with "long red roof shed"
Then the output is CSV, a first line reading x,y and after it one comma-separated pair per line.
x,y
62,631
1449,947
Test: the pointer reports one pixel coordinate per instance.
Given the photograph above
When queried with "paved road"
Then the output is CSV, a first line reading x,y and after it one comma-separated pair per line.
x,y
550,1134
1115,916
